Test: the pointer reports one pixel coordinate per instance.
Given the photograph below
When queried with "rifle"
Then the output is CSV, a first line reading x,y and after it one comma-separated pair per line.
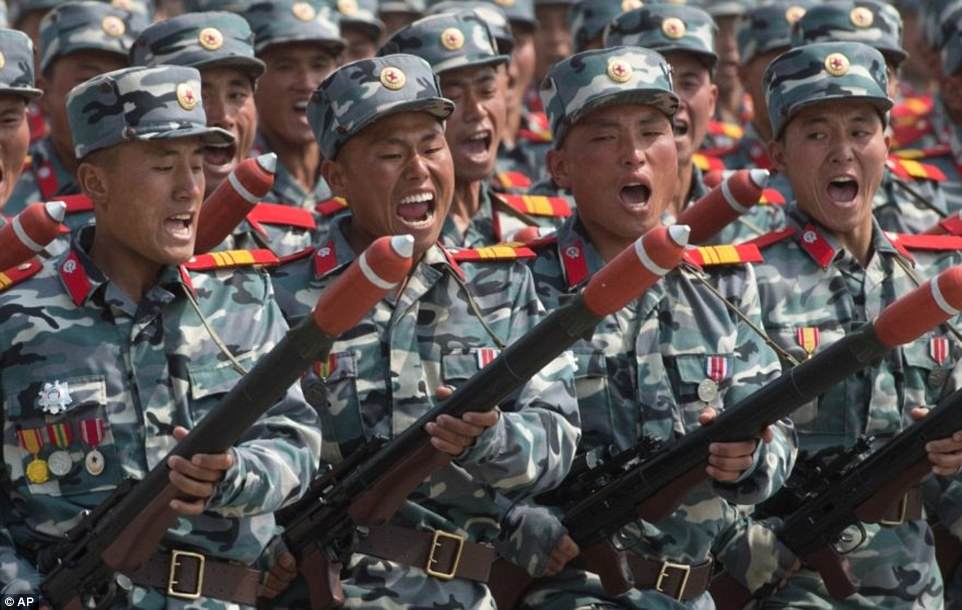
x,y
371,492
652,489
233,199
733,197
29,232
123,531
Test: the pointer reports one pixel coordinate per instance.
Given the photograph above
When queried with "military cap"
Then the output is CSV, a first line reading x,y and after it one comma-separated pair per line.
x,y
600,77
206,6
139,7
768,27
726,8
16,64
4,21
285,21
414,7
491,14
588,18
139,103
199,40
87,26
824,72
666,28
936,17
952,45
447,41
519,12
362,13
876,24
361,92
550,2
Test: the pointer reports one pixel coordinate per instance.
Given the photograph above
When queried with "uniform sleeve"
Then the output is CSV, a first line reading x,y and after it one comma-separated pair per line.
x,y
754,366
278,457
752,555
17,575
532,446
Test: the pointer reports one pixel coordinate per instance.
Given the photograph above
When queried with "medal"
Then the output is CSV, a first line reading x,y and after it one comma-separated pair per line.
x,y
60,463
60,435
32,442
92,433
486,356
717,370
37,472
707,390
54,398
808,339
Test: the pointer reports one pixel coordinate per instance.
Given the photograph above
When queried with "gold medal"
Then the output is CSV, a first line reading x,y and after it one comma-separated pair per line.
x,y
37,471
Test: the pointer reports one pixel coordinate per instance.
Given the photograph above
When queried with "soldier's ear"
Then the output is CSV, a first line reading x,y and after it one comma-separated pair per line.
x,y
335,177
91,178
776,152
558,168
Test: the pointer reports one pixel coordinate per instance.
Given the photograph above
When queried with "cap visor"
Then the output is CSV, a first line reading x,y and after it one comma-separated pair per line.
x,y
208,135
248,65
487,61
27,92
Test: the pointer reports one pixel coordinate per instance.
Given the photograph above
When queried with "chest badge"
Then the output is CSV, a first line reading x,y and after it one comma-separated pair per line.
x,y
54,398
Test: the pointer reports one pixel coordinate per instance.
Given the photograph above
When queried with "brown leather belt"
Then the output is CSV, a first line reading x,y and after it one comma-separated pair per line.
x,y
189,575
679,581
909,508
441,554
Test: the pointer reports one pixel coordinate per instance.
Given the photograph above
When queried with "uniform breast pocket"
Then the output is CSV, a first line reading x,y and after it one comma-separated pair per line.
x,y
331,387
699,381
927,369
210,384
58,439
594,401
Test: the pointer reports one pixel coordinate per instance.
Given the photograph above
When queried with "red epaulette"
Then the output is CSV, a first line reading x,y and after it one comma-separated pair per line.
x,y
76,203
23,271
296,256
929,243
230,259
923,153
709,256
763,241
513,180
497,252
724,128
771,197
707,163
909,169
331,206
282,215
538,205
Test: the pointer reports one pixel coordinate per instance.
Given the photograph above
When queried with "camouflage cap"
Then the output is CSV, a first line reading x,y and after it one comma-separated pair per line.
x,y
824,72
139,104
206,6
16,64
768,27
726,8
87,26
666,28
601,77
200,40
361,92
588,18
519,12
936,18
550,2
285,21
491,14
414,7
362,13
876,24
952,45
447,41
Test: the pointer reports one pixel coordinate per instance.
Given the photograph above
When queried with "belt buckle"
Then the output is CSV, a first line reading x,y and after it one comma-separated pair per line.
x,y
903,511
175,557
664,573
439,538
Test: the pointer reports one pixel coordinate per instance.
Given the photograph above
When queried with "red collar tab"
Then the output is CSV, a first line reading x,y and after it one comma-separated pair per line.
x,y
75,279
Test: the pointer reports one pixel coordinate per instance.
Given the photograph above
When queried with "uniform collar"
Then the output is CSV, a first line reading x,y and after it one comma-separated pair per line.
x,y
697,190
289,190
822,247
579,257
49,171
479,229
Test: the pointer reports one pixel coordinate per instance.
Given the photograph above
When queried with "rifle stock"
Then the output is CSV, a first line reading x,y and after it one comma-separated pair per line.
x,y
323,577
661,505
835,570
138,541
508,583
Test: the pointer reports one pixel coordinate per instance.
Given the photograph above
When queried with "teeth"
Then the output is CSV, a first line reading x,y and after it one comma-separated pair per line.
x,y
300,105
417,198
841,180
184,217
477,137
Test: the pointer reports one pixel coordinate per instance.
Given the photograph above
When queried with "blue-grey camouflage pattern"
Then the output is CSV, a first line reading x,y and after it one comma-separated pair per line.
x,y
638,376
491,14
384,377
447,41
909,205
16,69
417,7
139,104
284,21
141,370
767,28
935,15
204,6
589,80
287,189
725,8
665,28
824,71
360,13
588,19
45,167
951,49
199,40
87,26
519,12
876,24
363,91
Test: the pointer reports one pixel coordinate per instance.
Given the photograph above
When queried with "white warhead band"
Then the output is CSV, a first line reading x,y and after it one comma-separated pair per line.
x,y
371,276
23,237
727,194
940,300
646,260
247,195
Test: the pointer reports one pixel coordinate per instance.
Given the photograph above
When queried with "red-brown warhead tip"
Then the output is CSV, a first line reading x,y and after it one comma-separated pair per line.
x,y
29,232
635,269
929,305
736,195
233,199
376,272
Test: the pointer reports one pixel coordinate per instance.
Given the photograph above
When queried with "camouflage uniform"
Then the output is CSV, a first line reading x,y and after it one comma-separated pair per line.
x,y
72,28
672,28
382,377
136,370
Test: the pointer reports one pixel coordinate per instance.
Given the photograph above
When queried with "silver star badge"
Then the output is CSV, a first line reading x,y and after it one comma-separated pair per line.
x,y
54,398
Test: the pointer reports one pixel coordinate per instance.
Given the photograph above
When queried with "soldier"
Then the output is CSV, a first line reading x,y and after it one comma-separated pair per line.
x,y
221,46
685,36
128,347
300,46
16,91
664,365
831,270
396,14
589,18
463,54
385,153
909,200
79,41
552,39
360,27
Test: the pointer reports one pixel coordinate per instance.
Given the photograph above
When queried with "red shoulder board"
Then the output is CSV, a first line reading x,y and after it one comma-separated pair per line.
x,y
768,239
930,243
76,203
296,256
497,252
923,153
710,256
230,259
538,205
331,206
15,275
771,197
909,169
512,180
722,128
282,215
706,163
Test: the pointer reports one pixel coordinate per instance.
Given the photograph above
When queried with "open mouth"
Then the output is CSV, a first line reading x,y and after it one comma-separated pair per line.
x,y
417,210
180,226
300,108
478,144
842,190
635,195
680,128
219,155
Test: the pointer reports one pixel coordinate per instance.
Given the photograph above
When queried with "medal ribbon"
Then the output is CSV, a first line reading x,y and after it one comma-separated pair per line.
x,y
60,435
31,440
92,431
808,339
